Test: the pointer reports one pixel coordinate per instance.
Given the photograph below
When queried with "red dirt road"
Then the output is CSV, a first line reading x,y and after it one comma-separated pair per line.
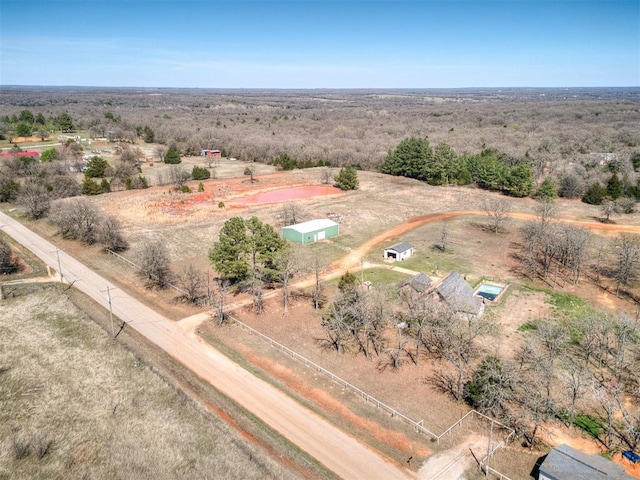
x,y
342,454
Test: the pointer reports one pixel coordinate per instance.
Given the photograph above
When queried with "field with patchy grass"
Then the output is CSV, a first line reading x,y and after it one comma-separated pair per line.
x,y
189,223
76,404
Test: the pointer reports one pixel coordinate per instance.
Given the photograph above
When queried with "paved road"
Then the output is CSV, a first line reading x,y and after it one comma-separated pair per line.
x,y
339,452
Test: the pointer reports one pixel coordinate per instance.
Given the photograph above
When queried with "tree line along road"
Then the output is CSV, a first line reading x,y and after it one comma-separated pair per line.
x,y
344,455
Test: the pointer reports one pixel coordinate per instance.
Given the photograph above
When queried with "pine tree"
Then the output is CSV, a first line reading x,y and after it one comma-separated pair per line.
x,y
347,179
172,156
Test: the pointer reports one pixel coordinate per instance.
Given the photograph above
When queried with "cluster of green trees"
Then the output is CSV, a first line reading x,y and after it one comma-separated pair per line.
x,y
347,179
285,162
27,123
416,158
249,254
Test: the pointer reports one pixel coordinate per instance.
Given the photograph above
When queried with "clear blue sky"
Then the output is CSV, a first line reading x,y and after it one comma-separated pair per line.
x,y
320,44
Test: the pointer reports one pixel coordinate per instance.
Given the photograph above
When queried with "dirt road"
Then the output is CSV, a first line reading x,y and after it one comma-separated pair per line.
x,y
354,257
340,453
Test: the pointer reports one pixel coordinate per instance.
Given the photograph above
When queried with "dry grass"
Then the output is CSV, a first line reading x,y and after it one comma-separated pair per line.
x,y
75,404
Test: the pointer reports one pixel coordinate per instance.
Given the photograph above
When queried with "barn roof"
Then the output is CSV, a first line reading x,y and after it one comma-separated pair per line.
x,y
566,463
21,154
400,247
459,294
312,225
420,282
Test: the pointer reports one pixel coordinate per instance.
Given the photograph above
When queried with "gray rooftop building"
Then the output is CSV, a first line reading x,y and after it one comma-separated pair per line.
x,y
420,282
566,463
459,295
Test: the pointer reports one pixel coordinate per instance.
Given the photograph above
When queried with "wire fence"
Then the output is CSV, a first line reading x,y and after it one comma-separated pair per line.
x,y
417,425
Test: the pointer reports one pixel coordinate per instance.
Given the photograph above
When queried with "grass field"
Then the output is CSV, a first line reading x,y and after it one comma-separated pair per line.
x,y
76,404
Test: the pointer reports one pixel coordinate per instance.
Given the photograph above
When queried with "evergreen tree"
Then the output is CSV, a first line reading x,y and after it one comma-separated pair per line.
x,y
172,156
148,135
200,173
49,155
547,189
347,179
519,181
614,187
96,167
409,159
65,122
246,249
595,194
90,187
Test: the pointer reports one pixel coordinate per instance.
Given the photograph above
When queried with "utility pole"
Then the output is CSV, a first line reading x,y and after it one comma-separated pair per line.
x,y
113,331
59,266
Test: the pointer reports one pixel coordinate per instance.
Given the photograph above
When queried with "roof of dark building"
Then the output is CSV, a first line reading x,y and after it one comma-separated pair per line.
x,y
400,247
459,294
566,463
420,282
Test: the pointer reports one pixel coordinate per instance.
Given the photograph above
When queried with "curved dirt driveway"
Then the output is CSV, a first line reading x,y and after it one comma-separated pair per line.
x,y
339,452
353,258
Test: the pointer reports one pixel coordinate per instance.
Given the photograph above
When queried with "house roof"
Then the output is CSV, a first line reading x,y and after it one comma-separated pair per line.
x,y
312,225
420,282
566,463
459,294
21,154
400,247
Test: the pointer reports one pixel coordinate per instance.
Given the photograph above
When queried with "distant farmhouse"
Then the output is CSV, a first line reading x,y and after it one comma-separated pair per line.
x,y
210,153
311,231
566,463
459,296
399,251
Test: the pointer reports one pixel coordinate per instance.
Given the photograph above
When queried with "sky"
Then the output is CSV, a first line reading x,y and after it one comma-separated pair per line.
x,y
320,43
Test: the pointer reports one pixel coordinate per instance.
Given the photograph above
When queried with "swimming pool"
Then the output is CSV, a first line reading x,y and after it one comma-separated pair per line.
x,y
489,291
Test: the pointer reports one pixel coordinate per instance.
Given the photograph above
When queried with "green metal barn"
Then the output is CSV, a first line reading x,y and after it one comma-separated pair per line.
x,y
311,231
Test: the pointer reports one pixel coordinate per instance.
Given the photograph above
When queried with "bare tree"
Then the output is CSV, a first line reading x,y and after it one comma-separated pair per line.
x,y
288,264
78,219
628,253
497,210
153,262
291,213
444,236
110,234
161,151
222,290
326,177
192,281
8,261
178,176
35,199
318,265
609,208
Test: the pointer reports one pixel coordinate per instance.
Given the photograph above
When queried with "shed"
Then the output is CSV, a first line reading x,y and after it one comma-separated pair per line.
x,y
459,295
566,463
311,231
210,153
399,251
420,283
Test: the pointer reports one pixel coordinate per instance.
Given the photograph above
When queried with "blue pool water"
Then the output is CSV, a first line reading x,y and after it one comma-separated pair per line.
x,y
490,292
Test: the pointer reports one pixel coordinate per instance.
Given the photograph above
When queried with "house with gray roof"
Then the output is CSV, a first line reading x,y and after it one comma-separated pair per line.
x,y
399,251
459,296
419,283
566,463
